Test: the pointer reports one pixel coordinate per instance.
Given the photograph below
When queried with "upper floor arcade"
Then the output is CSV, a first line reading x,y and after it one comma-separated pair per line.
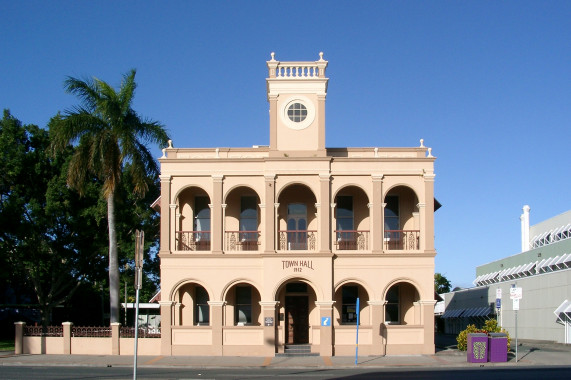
x,y
306,212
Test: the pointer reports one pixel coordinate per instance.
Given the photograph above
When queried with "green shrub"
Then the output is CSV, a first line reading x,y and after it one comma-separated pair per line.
x,y
491,326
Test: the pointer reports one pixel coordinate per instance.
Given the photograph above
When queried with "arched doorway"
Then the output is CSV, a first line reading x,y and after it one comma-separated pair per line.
x,y
297,311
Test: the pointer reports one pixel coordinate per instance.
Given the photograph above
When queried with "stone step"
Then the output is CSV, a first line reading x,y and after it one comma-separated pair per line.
x,y
297,350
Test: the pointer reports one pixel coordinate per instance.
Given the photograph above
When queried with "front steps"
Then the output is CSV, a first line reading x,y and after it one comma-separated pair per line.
x,y
297,350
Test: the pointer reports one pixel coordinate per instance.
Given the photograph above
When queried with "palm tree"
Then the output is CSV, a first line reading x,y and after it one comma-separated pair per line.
x,y
109,134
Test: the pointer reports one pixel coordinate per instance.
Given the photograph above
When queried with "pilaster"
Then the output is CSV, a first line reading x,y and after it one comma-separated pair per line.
x,y
429,211
166,327
269,314
377,227
377,319
324,218
325,332
216,321
165,213
216,229
268,218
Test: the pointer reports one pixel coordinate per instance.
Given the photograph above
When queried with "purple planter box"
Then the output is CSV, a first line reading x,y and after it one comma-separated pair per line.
x,y
477,348
498,347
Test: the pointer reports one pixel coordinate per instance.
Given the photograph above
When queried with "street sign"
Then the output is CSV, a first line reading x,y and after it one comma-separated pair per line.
x,y
498,303
516,293
498,293
516,303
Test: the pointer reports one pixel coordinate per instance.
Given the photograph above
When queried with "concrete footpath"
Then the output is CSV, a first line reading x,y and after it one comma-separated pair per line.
x,y
529,354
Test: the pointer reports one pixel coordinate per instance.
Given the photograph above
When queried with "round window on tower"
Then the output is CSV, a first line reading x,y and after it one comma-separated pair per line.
x,y
297,112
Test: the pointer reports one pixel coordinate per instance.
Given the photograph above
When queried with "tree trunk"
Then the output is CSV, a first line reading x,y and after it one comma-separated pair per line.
x,y
113,261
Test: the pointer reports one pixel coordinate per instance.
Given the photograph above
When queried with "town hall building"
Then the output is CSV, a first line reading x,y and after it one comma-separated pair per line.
x,y
271,248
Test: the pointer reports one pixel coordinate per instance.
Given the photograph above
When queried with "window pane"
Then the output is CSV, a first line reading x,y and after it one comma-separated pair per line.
x,y
243,295
392,207
203,314
344,206
350,294
243,314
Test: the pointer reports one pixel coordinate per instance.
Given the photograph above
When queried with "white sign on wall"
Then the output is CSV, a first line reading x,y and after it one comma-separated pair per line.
x,y
516,293
516,303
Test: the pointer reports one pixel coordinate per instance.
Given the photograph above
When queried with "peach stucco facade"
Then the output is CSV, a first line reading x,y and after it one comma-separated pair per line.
x,y
267,248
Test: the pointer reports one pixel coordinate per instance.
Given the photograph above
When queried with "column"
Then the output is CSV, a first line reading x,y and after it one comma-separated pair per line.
x,y
427,317
377,319
165,213
325,332
224,247
269,315
19,338
277,236
378,212
166,324
422,226
173,237
333,239
115,338
268,227
216,322
216,231
428,216
324,218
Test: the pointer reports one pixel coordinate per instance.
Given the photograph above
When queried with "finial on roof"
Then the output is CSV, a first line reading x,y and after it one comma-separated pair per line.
x,y
422,143
321,56
273,55
430,153
170,144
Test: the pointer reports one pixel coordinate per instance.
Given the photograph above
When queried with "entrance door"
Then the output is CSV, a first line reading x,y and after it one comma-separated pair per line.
x,y
297,226
297,319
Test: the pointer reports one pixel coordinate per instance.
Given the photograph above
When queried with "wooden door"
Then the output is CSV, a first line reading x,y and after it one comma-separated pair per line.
x,y
297,319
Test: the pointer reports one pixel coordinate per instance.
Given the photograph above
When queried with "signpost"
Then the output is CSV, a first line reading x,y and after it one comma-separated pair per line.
x,y
499,305
516,294
139,249
357,346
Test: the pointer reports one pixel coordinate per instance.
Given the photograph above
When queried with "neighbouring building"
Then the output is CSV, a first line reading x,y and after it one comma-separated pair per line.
x,y
270,248
542,270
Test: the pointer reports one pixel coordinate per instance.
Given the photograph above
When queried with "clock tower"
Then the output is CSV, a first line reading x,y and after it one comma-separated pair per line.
x,y
296,93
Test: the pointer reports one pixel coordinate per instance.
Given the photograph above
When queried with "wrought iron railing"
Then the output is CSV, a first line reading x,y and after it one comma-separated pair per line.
x,y
40,331
193,240
91,331
144,332
402,240
242,240
298,240
352,240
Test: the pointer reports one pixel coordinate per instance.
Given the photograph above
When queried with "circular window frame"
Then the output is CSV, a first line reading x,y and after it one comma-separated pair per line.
x,y
301,124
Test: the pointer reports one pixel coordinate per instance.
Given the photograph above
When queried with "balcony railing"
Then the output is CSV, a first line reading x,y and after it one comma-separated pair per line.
x,y
297,240
351,240
402,240
242,240
193,240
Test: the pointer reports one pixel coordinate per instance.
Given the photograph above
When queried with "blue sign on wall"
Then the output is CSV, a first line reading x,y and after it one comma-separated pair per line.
x,y
325,321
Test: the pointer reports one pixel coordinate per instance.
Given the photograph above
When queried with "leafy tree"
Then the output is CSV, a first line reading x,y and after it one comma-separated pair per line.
x,y
108,135
49,235
441,284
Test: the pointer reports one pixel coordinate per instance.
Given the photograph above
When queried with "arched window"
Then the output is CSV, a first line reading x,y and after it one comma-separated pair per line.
x,y
201,307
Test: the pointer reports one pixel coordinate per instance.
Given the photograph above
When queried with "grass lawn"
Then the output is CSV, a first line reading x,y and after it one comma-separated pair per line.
x,y
7,345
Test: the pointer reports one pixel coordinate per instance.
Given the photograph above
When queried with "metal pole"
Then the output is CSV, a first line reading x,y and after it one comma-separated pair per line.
x,y
357,339
136,334
516,336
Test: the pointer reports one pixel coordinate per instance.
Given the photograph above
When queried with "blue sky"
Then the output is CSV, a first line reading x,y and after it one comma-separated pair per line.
x,y
486,84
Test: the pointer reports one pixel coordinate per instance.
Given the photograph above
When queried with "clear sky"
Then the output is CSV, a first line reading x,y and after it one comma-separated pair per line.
x,y
486,84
